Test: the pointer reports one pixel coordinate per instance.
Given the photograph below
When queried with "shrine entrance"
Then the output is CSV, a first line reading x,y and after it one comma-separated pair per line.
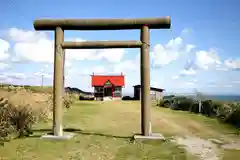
x,y
108,89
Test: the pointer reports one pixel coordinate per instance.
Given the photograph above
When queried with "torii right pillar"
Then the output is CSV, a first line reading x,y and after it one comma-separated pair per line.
x,y
146,127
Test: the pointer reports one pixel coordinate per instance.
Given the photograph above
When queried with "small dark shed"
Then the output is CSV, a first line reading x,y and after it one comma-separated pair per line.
x,y
155,93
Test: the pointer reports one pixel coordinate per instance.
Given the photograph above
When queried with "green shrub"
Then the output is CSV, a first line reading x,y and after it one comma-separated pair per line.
x,y
234,118
164,103
229,113
224,111
127,98
67,100
209,108
168,97
6,127
22,118
15,120
86,98
194,108
184,104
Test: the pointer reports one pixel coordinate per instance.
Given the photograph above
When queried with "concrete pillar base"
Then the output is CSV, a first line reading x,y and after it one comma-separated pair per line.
x,y
65,136
59,132
152,136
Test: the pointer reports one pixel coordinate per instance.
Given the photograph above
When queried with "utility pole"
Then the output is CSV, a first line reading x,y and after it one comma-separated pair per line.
x,y
199,99
42,80
200,106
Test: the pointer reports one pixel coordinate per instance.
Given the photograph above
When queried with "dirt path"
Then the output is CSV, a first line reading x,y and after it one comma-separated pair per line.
x,y
188,133
184,131
204,149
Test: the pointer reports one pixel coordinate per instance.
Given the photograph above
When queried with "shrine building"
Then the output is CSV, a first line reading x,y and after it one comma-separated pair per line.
x,y
108,87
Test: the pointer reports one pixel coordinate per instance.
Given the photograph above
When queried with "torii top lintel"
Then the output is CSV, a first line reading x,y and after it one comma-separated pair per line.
x,y
102,24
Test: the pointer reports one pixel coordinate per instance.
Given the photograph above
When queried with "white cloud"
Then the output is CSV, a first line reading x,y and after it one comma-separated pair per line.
x,y
210,60
211,85
24,79
175,44
205,60
4,47
125,66
83,54
194,80
185,85
163,55
3,66
99,69
112,55
40,51
36,47
19,35
45,75
189,83
95,69
227,85
189,47
221,68
175,77
154,84
189,71
236,82
186,30
68,64
232,64
14,76
186,72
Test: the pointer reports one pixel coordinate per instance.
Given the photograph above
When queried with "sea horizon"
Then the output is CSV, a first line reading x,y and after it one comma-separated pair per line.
x,y
212,96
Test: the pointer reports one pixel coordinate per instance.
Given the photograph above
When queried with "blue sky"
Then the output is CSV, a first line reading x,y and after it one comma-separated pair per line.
x,y
200,51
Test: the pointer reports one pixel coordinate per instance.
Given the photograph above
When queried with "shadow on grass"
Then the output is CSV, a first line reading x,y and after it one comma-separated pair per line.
x,y
79,131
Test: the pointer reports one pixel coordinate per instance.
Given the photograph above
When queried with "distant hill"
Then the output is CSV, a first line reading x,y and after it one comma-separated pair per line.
x,y
47,89
77,90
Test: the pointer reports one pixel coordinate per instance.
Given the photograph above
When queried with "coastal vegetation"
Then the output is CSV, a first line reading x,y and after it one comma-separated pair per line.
x,y
224,111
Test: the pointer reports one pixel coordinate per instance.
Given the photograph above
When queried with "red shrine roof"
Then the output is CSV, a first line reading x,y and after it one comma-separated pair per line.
x,y
100,80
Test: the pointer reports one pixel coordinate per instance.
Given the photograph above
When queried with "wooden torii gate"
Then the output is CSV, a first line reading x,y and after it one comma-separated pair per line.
x,y
59,25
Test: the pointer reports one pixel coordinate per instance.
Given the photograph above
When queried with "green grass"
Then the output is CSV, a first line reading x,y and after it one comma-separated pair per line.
x,y
104,131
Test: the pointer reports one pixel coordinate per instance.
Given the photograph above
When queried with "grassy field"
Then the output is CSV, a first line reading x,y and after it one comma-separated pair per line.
x,y
104,131
38,89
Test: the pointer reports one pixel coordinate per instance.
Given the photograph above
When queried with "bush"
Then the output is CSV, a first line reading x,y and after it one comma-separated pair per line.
x,y
67,100
15,120
86,98
164,103
234,117
5,126
209,108
168,97
127,98
184,104
229,113
224,111
21,108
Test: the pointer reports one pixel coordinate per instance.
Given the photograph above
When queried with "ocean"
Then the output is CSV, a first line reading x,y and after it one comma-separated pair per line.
x,y
224,97
205,96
